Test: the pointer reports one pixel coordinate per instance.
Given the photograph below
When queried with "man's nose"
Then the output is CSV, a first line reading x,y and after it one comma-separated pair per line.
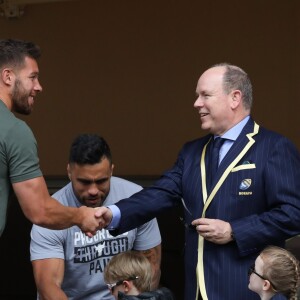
x,y
93,190
38,87
198,103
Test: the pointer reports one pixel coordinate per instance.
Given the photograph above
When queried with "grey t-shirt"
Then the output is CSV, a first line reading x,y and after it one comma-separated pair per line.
x,y
85,258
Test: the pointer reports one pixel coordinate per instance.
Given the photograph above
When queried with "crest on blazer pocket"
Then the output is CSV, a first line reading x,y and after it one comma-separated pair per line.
x,y
244,185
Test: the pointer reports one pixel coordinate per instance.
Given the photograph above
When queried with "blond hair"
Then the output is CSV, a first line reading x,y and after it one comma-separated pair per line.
x,y
281,267
129,264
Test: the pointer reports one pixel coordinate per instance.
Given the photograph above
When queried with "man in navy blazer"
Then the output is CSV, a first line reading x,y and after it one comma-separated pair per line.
x,y
253,199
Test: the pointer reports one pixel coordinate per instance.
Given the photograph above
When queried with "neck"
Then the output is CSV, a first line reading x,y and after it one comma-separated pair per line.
x,y
6,102
133,291
267,295
240,117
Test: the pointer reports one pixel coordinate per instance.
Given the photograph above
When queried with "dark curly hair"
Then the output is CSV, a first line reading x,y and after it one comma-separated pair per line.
x,y
89,149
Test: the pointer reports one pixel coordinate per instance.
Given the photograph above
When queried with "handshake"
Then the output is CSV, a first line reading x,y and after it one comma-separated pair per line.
x,y
93,219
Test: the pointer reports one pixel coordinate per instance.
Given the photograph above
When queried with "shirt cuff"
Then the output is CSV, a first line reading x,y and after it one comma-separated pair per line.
x,y
115,221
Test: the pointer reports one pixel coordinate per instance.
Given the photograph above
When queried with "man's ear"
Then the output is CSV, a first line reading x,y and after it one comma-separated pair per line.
x,y
7,76
112,169
236,97
69,171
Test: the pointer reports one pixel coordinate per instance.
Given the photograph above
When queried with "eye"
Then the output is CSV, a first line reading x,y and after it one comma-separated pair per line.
x,y
204,95
85,182
100,181
34,76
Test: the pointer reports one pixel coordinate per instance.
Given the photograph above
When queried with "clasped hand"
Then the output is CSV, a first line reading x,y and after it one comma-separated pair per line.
x,y
104,215
100,218
214,230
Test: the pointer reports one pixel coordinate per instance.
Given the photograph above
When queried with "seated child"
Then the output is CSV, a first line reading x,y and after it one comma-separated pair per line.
x,y
275,274
128,276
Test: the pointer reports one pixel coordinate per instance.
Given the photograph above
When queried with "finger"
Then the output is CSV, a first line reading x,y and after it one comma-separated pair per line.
x,y
205,221
98,212
201,221
102,223
89,234
202,228
207,235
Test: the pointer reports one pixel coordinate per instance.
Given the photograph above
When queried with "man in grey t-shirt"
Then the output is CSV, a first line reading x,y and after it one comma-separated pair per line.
x,y
66,263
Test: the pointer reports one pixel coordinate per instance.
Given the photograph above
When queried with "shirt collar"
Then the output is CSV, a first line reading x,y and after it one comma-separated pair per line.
x,y
233,133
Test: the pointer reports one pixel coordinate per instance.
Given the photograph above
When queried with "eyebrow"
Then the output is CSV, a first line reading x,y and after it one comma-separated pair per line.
x,y
33,74
90,181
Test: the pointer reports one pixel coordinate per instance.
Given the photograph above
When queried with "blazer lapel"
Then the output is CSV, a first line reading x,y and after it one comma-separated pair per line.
x,y
238,146
232,158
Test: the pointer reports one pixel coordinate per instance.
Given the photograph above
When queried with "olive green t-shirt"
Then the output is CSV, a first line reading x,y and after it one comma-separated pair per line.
x,y
18,156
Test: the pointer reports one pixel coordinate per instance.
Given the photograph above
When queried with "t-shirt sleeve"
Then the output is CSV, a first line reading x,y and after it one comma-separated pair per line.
x,y
148,236
46,243
22,153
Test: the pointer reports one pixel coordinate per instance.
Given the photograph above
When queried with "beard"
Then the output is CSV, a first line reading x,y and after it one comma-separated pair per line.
x,y
20,99
90,201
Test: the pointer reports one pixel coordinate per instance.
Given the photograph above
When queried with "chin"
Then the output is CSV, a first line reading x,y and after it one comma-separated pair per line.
x,y
205,126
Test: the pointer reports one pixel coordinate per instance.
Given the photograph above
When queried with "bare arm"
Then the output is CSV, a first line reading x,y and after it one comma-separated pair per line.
x,y
45,211
154,256
48,275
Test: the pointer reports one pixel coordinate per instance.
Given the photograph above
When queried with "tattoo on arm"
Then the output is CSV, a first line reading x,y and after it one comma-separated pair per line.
x,y
154,256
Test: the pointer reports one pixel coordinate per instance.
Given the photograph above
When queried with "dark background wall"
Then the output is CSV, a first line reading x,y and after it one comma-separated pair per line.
x,y
128,70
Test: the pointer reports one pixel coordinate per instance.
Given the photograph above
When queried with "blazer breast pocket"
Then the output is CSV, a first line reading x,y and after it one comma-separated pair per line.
x,y
243,181
246,188
243,167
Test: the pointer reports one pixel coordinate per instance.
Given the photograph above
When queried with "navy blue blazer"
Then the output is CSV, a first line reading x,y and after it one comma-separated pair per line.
x,y
256,190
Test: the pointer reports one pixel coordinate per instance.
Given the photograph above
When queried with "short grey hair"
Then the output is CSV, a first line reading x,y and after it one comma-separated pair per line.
x,y
235,78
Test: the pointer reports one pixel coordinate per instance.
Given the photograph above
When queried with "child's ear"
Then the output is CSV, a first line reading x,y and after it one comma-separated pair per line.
x,y
127,286
267,285
130,288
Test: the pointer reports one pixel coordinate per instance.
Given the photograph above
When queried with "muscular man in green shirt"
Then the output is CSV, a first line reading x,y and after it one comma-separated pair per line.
x,y
19,163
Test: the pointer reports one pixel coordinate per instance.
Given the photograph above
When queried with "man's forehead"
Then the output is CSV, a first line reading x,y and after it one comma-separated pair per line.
x,y
90,174
210,79
215,72
97,168
29,65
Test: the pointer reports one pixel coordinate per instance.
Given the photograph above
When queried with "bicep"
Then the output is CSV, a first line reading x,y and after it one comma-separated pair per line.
x,y
31,195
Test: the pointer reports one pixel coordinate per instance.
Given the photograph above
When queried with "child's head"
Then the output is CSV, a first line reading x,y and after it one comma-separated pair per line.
x,y
129,272
276,270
